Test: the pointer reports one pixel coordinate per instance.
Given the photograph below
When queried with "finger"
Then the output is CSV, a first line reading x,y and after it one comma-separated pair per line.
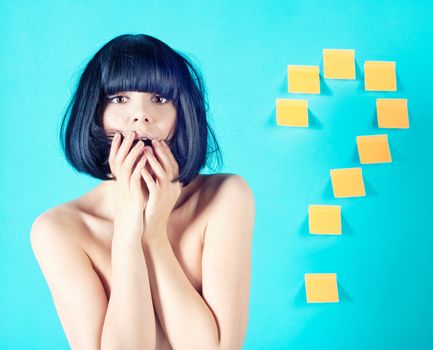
x,y
135,183
156,166
170,155
151,185
128,163
124,148
113,150
162,157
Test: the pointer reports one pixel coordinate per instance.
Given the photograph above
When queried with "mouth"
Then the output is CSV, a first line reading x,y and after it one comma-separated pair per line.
x,y
146,141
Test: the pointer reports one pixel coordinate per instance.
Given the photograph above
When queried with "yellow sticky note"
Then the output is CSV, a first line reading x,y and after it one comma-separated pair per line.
x,y
373,149
324,219
380,76
392,113
292,112
339,64
321,287
347,182
304,79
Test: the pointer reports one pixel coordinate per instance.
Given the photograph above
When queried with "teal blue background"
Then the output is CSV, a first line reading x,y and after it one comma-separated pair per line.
x,y
383,260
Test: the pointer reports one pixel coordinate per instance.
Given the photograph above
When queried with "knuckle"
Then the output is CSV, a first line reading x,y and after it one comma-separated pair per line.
x,y
122,173
115,161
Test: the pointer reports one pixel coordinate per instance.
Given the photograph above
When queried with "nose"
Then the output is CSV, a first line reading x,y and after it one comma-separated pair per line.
x,y
140,110
141,115
137,119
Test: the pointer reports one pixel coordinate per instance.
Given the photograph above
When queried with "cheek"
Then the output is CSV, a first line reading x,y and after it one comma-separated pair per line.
x,y
113,119
170,123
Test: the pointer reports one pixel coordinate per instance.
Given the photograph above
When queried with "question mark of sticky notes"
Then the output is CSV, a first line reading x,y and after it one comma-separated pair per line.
x,y
372,149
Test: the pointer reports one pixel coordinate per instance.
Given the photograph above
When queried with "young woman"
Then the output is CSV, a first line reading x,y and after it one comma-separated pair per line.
x,y
156,256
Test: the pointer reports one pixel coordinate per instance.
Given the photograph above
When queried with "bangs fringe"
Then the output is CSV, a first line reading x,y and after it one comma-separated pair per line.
x,y
137,68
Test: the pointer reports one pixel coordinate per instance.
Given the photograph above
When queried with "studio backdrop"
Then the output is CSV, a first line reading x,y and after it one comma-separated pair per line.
x,y
343,236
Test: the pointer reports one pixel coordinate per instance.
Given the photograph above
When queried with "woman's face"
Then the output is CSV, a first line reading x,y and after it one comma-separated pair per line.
x,y
146,113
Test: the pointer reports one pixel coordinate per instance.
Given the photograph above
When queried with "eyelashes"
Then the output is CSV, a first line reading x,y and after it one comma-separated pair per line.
x,y
113,97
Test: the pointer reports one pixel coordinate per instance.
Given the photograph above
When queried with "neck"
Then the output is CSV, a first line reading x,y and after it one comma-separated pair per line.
x,y
100,199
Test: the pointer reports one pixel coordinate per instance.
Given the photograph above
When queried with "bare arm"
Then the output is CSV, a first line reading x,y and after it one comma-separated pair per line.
x,y
183,314
130,320
89,321
76,289
219,319
127,320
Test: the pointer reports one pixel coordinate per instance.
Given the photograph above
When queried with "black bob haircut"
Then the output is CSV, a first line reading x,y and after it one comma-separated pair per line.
x,y
138,62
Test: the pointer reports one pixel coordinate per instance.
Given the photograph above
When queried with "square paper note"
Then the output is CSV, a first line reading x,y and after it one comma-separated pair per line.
x,y
339,64
373,149
292,112
321,287
304,79
392,113
347,182
324,219
380,76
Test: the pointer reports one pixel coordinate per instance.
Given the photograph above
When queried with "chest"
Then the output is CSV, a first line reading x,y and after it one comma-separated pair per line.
x,y
185,234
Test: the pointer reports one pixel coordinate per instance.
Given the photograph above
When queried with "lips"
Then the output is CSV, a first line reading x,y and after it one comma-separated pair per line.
x,y
145,138
147,142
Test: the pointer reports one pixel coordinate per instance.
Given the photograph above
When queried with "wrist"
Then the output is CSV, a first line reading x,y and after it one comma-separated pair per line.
x,y
154,237
124,238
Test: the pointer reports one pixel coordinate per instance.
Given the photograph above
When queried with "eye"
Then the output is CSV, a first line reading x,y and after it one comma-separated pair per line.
x,y
159,99
116,98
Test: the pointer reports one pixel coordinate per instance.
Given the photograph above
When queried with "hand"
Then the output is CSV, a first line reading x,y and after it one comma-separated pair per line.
x,y
163,193
129,196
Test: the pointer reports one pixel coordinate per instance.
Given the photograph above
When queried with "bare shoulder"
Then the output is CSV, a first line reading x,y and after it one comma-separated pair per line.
x,y
77,291
223,185
60,222
226,190
58,229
